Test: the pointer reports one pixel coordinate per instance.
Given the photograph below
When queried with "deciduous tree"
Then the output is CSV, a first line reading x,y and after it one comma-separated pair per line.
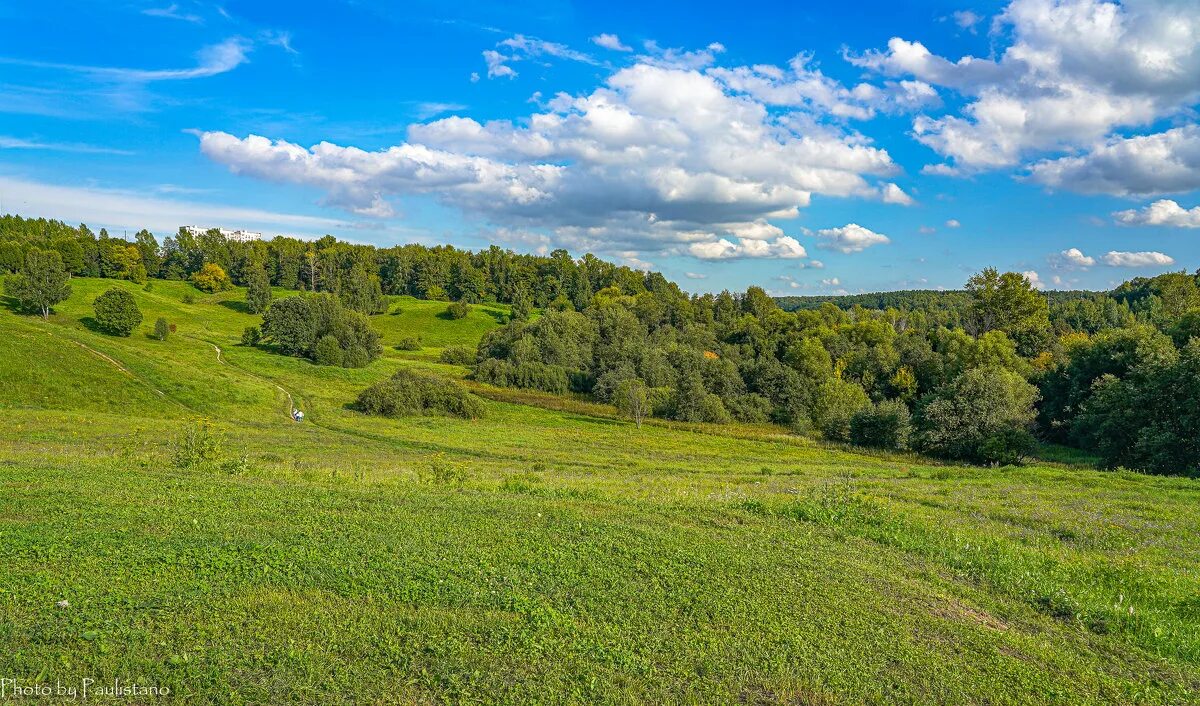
x,y
117,312
42,282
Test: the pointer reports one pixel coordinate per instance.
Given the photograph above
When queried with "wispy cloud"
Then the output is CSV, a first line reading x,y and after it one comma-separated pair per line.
x,y
173,12
16,143
119,208
210,61
427,110
532,46
279,38
520,47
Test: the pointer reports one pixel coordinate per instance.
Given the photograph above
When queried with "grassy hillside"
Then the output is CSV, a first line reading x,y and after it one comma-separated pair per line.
x,y
545,553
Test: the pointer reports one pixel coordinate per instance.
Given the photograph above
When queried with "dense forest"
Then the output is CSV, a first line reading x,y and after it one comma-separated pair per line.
x,y
978,375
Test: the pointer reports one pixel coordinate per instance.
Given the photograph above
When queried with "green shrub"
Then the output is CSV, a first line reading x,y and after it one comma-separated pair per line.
x,y
189,298
691,402
409,393
117,312
161,329
493,371
356,357
886,425
661,401
328,351
458,355
409,343
440,470
539,376
292,324
751,408
714,411
982,416
197,445
834,403
251,335
458,310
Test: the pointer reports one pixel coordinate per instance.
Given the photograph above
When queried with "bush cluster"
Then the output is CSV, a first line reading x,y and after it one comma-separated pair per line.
x,y
885,425
409,393
458,310
319,328
457,355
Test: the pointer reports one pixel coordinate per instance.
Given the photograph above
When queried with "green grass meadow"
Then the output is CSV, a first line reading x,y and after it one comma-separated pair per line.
x,y
547,553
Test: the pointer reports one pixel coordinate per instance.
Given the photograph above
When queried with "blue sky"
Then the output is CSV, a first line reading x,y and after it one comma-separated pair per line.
x,y
802,147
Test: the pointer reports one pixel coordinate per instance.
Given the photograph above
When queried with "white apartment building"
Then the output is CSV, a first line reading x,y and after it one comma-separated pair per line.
x,y
238,236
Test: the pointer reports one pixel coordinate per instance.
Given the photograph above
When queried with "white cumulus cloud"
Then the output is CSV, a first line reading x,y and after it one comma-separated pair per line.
x,y
610,41
785,247
850,238
1136,259
497,66
1071,73
1166,162
1163,212
1075,258
658,158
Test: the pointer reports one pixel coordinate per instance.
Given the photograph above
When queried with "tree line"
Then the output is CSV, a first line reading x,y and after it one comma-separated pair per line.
x,y
978,375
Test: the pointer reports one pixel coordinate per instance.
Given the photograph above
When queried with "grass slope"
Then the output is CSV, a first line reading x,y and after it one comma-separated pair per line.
x,y
546,553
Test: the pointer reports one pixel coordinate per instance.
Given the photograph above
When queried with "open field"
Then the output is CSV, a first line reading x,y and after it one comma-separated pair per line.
x,y
546,553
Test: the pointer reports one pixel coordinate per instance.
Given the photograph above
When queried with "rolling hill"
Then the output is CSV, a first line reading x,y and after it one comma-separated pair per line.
x,y
548,552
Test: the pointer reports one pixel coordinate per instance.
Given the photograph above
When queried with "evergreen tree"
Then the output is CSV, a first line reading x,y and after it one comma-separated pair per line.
x,y
361,290
521,307
258,289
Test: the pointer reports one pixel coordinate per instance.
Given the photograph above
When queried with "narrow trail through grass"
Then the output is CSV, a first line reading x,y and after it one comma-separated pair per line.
x,y
291,404
122,369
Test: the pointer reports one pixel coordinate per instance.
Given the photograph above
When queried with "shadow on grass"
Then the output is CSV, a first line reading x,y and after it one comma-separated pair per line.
x,y
596,420
91,324
497,315
235,305
11,303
